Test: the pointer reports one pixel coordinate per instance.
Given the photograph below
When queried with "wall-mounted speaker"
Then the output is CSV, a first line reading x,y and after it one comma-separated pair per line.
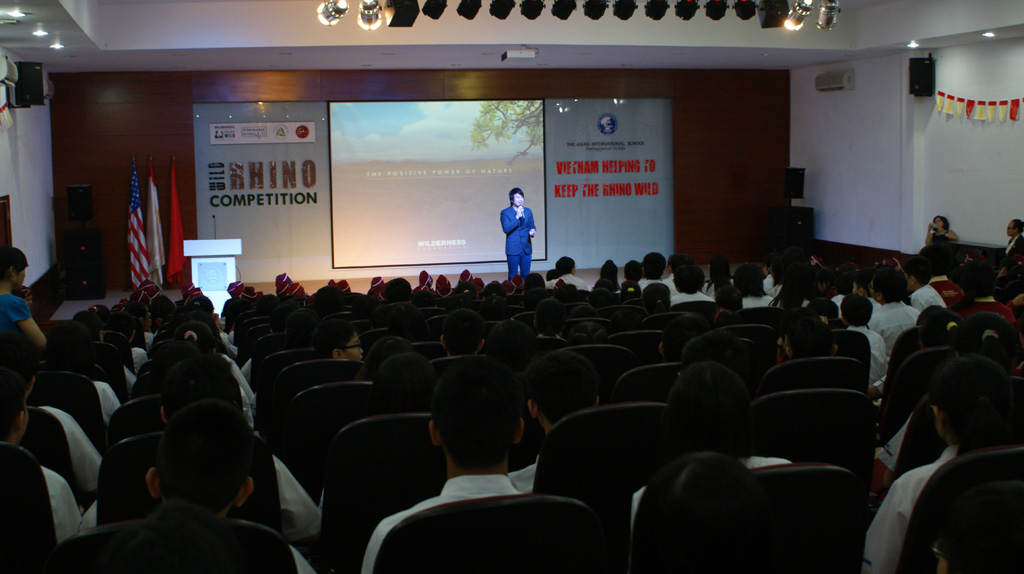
x,y
79,202
791,222
83,247
922,77
29,89
86,282
795,182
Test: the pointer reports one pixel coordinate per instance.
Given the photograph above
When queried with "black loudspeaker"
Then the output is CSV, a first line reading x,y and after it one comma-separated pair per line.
x,y
791,222
401,13
29,89
79,202
86,282
83,247
795,182
922,77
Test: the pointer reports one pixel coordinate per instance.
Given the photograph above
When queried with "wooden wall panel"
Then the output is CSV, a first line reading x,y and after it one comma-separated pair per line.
x,y
385,86
283,86
731,136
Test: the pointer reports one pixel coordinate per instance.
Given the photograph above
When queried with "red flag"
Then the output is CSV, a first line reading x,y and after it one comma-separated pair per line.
x,y
1014,109
139,256
970,108
176,245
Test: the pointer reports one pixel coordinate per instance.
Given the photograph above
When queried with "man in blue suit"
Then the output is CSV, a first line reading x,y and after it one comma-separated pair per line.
x,y
517,223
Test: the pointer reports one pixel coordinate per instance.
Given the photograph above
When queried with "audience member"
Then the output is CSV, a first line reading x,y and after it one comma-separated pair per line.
x,y
856,314
978,280
587,333
653,266
941,259
610,272
14,312
69,348
749,280
721,346
512,343
919,275
656,298
893,316
688,280
337,339
403,383
462,332
984,530
625,320
797,286
678,332
719,275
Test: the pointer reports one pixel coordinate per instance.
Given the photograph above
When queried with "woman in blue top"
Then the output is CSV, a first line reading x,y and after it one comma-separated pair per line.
x,y
14,313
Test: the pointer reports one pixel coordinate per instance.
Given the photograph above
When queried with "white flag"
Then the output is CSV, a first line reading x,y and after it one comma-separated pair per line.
x,y
154,233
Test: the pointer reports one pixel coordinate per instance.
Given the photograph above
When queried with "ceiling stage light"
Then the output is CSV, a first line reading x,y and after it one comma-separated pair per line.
x,y
434,8
715,9
562,9
655,9
686,9
745,9
369,15
500,9
530,9
468,9
594,9
331,12
797,13
828,14
623,9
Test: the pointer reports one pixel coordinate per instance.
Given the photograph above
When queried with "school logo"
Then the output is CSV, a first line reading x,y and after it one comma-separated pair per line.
x,y
607,124
281,132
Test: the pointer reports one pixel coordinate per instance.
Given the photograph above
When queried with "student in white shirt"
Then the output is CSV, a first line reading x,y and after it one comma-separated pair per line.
x,y
748,279
888,287
919,273
856,313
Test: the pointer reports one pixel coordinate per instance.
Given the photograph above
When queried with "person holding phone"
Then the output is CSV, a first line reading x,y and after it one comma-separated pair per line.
x,y
939,232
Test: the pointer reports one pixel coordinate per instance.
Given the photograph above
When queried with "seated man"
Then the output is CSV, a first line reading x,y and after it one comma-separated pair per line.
x,y
13,422
653,266
856,313
688,281
919,275
462,332
893,316
557,384
204,458
565,269
475,418
337,339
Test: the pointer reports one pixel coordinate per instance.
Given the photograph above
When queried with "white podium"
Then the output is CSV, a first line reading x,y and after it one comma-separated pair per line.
x,y
213,267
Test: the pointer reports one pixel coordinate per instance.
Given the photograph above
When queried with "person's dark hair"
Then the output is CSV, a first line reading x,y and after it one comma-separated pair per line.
x,y
198,333
826,275
12,399
549,318
582,311
279,316
494,308
678,332
986,334
937,326
824,307
565,265
677,260
477,409
601,297
91,320
856,309
892,284
102,310
653,265
137,309
977,279
721,346
493,289
975,394
200,303
610,272
299,329
688,279
797,286
423,298
69,348
984,529
725,318
161,308
332,334
657,298
165,356
466,289
328,300
406,320
587,333
403,383
385,348
195,378
1015,223
919,268
205,454
863,278
629,290
940,256
11,257
178,537
398,290
515,191
567,293
719,273
703,512
729,298
769,259
19,354
463,331
942,218
625,320
708,409
513,343
533,281
531,297
561,382
362,306
844,282
807,335
633,270
605,285
749,280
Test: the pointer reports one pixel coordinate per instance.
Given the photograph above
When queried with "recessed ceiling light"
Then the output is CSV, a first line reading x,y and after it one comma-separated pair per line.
x,y
284,53
387,54
16,14
989,34
56,45
9,21
765,54
913,44
40,33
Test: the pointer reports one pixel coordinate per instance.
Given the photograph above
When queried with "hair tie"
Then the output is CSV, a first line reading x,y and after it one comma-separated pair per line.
x,y
191,336
951,325
989,333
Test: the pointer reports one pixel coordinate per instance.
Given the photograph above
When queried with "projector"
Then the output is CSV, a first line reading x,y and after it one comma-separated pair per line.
x,y
519,55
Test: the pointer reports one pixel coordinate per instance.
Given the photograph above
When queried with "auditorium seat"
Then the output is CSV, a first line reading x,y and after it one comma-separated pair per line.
x,y
109,359
46,440
658,321
296,378
770,316
815,373
26,526
611,361
906,387
705,308
765,356
645,345
264,380
855,345
650,383
139,416
76,395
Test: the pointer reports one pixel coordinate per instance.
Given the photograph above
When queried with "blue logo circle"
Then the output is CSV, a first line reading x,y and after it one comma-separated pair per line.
x,y
607,124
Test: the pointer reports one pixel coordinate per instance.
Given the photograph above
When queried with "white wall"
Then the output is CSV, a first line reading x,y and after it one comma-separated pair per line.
x,y
26,175
881,163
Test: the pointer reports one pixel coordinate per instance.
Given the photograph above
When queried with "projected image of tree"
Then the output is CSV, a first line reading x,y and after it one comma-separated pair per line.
x,y
504,120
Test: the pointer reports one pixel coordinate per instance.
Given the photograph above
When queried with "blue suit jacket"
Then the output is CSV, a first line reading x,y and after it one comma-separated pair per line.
x,y
517,235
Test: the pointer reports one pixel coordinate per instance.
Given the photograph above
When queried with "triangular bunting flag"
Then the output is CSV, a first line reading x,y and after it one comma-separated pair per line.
x,y
948,106
979,111
940,97
1002,110
960,106
991,113
970,109
1014,110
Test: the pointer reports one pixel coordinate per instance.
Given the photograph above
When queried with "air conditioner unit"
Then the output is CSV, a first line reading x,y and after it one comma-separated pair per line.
x,y
47,90
9,72
833,81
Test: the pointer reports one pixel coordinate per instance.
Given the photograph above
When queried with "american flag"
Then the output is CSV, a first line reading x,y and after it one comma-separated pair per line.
x,y
137,235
